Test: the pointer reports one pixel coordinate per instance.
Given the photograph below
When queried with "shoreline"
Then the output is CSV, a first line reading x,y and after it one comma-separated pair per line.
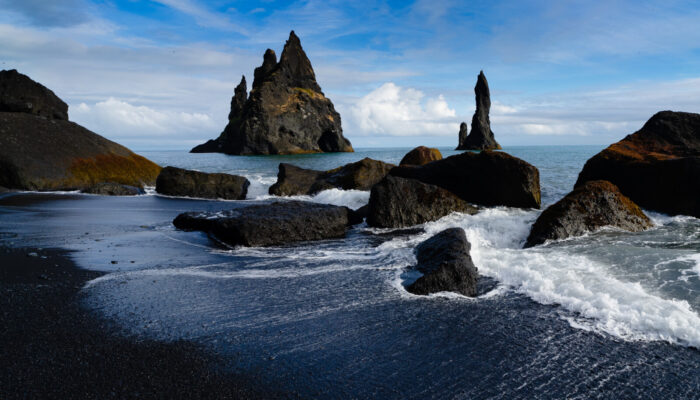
x,y
53,347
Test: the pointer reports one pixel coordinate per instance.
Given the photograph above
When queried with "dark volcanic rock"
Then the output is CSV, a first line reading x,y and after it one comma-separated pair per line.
x,y
360,175
489,178
398,202
446,265
37,153
271,224
113,189
658,167
19,93
481,136
421,155
286,112
590,206
181,182
238,100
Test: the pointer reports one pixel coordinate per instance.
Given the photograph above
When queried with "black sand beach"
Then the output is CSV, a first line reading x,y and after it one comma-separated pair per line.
x,y
54,348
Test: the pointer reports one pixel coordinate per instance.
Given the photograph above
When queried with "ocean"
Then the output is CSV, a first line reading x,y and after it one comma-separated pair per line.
x,y
610,314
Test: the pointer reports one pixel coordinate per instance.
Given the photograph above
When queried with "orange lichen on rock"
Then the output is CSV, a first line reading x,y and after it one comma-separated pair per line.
x,y
133,170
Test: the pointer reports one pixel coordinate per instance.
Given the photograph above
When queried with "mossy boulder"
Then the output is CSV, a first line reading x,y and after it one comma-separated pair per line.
x,y
421,155
658,167
588,207
41,150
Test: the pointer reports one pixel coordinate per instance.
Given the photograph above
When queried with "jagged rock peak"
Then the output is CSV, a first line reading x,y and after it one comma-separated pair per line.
x,y
481,136
295,65
240,95
285,112
263,72
19,93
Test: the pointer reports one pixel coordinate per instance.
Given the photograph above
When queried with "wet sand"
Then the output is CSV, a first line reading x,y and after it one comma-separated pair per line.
x,y
52,347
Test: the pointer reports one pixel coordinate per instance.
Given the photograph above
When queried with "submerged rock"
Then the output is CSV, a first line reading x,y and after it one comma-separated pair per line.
x,y
113,189
398,202
360,175
421,155
286,112
658,167
487,178
590,206
41,150
272,224
481,136
181,182
446,265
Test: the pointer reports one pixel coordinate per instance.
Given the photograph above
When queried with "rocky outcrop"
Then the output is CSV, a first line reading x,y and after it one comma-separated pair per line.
x,y
421,155
398,202
41,150
286,112
489,178
113,189
481,136
271,224
658,167
446,265
19,93
360,175
590,206
181,182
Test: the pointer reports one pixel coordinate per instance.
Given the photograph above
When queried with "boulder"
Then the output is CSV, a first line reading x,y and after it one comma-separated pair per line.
x,y
113,189
658,167
360,175
182,182
286,112
398,202
421,155
489,178
481,136
19,93
41,150
271,224
446,265
590,206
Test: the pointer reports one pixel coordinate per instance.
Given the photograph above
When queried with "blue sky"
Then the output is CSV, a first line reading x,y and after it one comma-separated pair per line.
x,y
160,74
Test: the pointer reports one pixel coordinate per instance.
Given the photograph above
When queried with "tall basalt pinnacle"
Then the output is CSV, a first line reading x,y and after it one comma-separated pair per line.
x,y
481,136
285,113
238,100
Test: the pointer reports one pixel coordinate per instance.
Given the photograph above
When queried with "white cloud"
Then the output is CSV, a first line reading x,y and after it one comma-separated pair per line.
x,y
118,120
392,110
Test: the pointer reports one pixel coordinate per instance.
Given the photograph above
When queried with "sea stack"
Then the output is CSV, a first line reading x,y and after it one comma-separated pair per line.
x,y
481,136
286,112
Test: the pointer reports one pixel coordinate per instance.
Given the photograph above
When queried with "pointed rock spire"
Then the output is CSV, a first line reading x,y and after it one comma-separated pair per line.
x,y
295,65
462,134
238,100
481,136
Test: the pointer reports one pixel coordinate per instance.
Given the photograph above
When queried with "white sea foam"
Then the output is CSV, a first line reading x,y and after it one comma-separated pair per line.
x,y
349,198
594,298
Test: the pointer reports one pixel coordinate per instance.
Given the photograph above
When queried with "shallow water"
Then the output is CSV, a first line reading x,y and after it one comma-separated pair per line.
x,y
610,314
